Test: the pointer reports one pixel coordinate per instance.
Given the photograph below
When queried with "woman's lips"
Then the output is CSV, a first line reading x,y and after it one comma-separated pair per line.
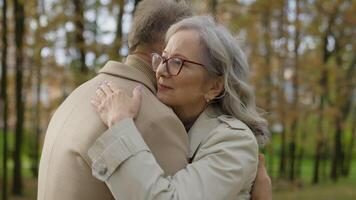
x,y
162,87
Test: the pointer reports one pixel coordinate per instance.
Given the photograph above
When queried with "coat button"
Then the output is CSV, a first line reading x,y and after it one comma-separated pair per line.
x,y
102,170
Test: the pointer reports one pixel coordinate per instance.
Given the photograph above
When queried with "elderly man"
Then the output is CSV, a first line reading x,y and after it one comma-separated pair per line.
x,y
65,169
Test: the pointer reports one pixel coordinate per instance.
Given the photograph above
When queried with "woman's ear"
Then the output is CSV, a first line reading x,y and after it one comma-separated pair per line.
x,y
216,88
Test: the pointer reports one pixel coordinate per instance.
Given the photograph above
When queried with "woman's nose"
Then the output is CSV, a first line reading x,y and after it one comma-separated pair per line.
x,y
162,70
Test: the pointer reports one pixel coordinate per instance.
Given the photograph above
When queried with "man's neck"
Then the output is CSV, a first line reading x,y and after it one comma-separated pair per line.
x,y
143,53
141,65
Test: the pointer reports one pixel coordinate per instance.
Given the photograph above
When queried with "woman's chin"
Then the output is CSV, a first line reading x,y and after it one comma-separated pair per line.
x,y
167,100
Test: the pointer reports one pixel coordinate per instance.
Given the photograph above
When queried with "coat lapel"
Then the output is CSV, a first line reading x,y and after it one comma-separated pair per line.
x,y
201,129
134,69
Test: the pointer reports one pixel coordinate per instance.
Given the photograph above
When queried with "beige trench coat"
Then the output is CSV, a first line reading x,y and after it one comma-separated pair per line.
x,y
65,172
224,154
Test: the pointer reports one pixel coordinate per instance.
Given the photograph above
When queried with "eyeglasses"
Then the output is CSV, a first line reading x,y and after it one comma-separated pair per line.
x,y
173,64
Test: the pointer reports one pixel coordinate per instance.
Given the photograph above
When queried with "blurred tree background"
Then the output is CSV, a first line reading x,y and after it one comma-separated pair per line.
x,y
302,59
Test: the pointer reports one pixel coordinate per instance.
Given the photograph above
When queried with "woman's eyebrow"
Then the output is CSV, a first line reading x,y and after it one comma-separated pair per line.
x,y
175,55
179,55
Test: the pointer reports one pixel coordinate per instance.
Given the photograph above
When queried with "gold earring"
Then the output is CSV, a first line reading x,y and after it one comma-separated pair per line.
x,y
207,99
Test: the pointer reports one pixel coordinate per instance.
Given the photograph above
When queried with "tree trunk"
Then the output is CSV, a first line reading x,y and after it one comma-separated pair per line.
x,y
320,129
295,114
348,164
344,105
79,33
317,156
325,156
292,153
337,154
300,156
19,35
37,107
95,31
283,157
268,89
4,105
38,128
281,98
350,107
324,98
118,37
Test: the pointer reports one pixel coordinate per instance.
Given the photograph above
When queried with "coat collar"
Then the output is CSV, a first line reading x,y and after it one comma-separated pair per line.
x,y
134,69
202,128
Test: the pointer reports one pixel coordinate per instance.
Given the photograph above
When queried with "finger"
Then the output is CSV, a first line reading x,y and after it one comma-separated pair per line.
x,y
100,93
261,161
137,95
107,90
95,103
112,86
96,99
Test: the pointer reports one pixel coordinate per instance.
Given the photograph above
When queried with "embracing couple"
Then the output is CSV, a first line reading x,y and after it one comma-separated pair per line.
x,y
176,120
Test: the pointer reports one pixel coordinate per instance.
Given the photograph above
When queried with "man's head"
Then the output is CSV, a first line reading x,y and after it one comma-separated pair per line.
x,y
152,19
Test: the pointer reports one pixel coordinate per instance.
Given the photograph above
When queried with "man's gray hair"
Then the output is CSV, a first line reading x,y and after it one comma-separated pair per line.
x,y
152,19
223,56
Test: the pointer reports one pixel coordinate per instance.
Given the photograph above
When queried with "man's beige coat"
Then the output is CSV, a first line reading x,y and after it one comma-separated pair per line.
x,y
65,171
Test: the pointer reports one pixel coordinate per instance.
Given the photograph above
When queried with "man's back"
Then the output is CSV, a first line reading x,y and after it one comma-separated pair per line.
x,y
65,171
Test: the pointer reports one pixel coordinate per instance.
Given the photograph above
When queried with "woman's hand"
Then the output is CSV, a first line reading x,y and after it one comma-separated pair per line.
x,y
114,104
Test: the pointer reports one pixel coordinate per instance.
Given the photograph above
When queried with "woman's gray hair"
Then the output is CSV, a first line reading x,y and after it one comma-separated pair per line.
x,y
223,56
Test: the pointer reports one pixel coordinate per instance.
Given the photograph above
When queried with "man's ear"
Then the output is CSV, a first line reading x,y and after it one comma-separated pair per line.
x,y
216,88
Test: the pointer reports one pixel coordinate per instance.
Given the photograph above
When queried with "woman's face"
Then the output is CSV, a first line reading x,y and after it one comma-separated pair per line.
x,y
188,88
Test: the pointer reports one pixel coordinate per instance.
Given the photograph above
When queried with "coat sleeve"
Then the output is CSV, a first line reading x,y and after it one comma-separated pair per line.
x,y
225,163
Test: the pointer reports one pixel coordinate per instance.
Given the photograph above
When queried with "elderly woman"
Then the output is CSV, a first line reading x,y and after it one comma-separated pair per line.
x,y
202,75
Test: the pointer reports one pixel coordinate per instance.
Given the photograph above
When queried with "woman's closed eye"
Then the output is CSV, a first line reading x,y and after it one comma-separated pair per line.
x,y
176,62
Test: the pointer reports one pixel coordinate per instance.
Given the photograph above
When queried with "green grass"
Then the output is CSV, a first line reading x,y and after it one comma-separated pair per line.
x,y
342,190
